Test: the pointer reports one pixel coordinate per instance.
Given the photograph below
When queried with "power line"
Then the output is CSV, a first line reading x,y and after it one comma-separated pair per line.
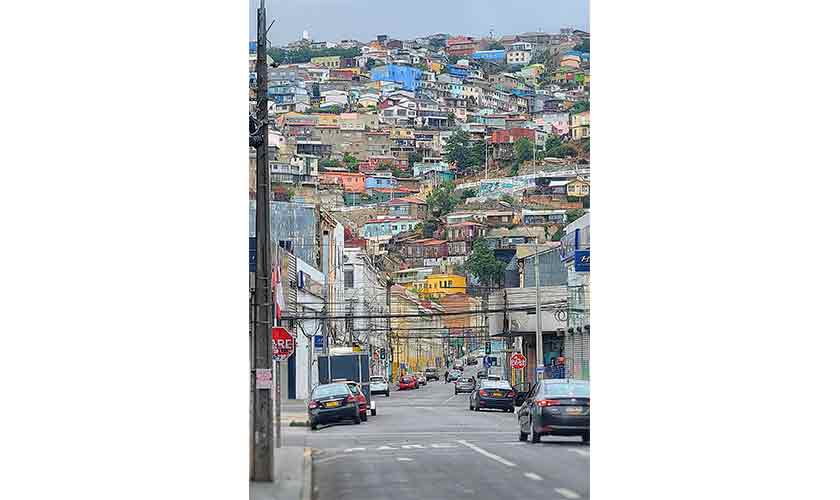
x,y
424,315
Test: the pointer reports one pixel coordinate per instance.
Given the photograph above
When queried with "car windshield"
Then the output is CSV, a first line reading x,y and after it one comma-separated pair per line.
x,y
496,384
565,389
406,379
325,391
376,380
464,379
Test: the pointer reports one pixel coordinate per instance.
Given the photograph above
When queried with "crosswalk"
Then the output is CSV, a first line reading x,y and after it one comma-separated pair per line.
x,y
401,447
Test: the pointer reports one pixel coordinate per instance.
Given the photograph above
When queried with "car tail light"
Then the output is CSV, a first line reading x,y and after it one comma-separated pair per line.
x,y
511,394
547,402
349,399
482,392
313,404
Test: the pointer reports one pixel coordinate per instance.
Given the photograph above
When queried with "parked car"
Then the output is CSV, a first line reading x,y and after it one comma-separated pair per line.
x,y
407,382
432,374
364,405
472,361
482,374
555,407
521,391
459,365
333,403
379,385
464,384
421,379
453,375
497,394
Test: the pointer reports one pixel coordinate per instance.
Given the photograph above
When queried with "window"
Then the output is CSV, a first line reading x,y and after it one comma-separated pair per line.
x,y
348,279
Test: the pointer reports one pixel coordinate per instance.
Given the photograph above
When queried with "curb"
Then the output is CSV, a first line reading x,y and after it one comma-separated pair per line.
x,y
306,487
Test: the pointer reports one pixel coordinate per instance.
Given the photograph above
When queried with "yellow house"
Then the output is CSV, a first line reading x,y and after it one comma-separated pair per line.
x,y
577,188
439,285
332,62
436,67
327,120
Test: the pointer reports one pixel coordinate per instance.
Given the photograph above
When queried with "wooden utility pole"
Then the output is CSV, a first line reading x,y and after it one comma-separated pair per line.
x,y
262,458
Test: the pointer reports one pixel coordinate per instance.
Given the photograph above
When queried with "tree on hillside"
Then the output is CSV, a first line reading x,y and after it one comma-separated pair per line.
x,y
467,193
370,64
442,199
350,161
458,150
523,149
574,214
331,163
482,264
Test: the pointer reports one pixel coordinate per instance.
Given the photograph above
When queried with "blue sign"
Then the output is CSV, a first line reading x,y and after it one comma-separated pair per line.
x,y
581,261
487,362
319,341
252,257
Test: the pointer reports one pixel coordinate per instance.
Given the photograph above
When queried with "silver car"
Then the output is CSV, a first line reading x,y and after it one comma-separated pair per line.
x,y
464,384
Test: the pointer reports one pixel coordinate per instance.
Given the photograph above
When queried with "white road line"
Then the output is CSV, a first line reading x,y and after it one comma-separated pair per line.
x,y
417,446
531,475
566,493
487,454
443,445
404,459
348,450
450,398
580,452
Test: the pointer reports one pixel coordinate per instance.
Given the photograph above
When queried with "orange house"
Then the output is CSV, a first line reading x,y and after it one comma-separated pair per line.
x,y
351,182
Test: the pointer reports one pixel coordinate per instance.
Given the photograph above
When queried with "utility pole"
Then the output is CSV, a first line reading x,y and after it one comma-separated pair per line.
x,y
262,459
540,363
388,285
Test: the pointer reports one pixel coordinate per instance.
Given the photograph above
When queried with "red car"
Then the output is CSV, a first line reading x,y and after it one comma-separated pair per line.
x,y
408,382
359,395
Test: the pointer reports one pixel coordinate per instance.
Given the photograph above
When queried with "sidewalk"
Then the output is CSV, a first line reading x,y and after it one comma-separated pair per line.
x,y
293,476
292,412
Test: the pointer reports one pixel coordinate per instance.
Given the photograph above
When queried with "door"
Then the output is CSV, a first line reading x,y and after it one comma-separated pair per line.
x,y
525,410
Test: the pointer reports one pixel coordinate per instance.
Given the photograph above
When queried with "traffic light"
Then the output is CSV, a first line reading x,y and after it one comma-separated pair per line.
x,y
487,348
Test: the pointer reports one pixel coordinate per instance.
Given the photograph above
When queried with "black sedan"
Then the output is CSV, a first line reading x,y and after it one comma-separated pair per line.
x,y
333,403
555,407
464,384
496,394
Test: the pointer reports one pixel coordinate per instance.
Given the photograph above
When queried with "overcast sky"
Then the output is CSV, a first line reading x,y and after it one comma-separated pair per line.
x,y
333,20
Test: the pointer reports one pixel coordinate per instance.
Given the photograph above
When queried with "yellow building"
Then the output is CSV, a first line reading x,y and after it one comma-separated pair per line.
x,y
332,62
439,285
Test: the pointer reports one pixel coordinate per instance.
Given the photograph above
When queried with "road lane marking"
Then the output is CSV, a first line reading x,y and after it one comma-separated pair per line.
x,y
487,453
404,459
580,452
348,450
442,445
566,493
450,398
417,446
531,475
386,447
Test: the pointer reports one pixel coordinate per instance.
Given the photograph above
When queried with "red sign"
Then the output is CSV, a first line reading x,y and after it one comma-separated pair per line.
x,y
283,343
518,361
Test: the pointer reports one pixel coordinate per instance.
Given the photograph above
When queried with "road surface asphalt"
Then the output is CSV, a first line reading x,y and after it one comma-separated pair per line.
x,y
426,444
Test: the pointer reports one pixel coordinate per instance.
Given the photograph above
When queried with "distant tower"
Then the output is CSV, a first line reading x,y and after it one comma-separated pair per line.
x,y
305,35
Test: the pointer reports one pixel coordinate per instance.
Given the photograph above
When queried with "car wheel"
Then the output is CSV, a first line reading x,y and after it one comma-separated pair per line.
x,y
523,436
357,419
585,437
373,413
364,416
313,426
388,394
533,437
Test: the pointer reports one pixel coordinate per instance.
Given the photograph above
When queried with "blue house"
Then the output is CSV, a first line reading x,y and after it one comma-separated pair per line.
x,y
380,181
489,55
407,76
457,71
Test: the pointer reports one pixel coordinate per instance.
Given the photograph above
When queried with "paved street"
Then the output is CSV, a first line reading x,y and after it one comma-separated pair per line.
x,y
426,444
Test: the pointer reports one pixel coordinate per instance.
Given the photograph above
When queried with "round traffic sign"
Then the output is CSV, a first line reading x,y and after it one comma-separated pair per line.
x,y
518,361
